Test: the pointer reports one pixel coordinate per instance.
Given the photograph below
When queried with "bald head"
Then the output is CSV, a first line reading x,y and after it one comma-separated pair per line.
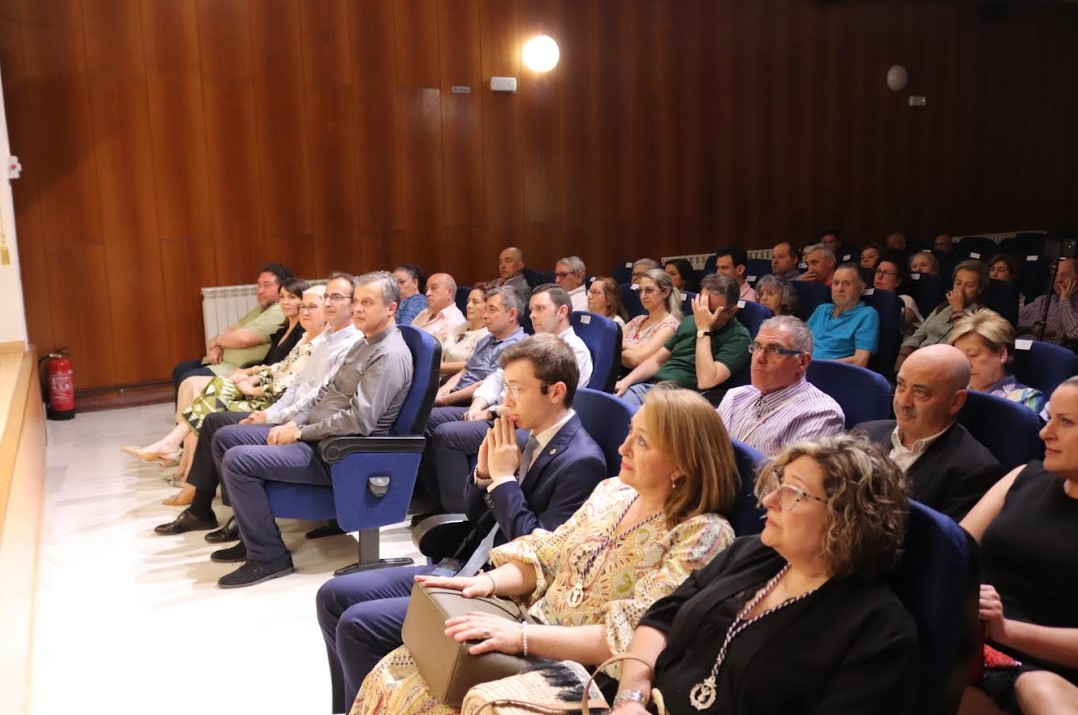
x,y
510,263
441,292
930,390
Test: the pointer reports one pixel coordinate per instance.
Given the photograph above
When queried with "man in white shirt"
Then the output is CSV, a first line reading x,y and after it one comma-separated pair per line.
x,y
948,469
441,316
455,443
570,273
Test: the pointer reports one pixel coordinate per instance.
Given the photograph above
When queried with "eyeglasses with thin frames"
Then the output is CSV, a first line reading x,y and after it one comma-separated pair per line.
x,y
337,298
308,307
514,389
773,351
788,495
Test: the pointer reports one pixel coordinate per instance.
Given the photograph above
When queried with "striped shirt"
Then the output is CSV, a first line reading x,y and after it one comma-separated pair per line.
x,y
767,423
1062,325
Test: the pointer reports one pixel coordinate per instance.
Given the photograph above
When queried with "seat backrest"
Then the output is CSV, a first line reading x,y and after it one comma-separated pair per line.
x,y
756,269
1043,365
606,418
1010,431
1034,278
979,247
862,394
461,298
686,302
890,309
747,515
1002,297
603,338
811,295
752,315
426,359
630,298
709,265
623,272
537,278
1030,243
937,580
927,291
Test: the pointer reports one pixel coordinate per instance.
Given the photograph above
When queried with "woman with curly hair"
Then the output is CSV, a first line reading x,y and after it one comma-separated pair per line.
x,y
801,618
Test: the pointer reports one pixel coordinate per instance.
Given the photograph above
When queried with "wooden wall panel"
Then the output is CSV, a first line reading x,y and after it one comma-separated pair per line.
x,y
171,144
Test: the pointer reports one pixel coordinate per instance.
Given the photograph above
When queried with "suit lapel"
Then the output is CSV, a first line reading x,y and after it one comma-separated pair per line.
x,y
551,451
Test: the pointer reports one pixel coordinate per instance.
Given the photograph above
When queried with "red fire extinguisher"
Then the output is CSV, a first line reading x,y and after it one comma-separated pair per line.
x,y
58,385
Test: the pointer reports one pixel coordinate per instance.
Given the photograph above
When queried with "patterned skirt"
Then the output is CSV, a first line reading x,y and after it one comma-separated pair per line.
x,y
395,686
222,395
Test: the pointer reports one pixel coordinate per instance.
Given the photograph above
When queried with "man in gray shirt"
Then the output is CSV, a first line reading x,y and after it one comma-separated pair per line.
x,y
364,398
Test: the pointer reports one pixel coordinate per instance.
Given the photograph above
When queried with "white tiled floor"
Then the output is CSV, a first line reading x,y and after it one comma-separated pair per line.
x,y
131,622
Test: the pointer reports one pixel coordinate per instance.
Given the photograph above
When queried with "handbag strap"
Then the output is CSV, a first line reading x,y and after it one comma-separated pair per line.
x,y
543,708
656,696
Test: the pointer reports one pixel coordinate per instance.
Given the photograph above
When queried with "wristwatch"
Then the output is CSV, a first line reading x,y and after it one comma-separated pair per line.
x,y
702,333
629,696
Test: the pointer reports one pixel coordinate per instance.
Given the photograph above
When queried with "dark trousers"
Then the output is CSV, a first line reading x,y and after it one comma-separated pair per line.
x,y
204,475
361,615
428,470
186,369
247,464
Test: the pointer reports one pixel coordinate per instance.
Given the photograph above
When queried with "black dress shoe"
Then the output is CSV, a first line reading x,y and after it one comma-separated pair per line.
x,y
253,572
233,554
229,532
330,529
186,521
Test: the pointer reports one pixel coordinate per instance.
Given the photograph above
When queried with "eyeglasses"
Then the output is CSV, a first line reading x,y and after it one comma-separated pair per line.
x,y
337,298
308,307
773,351
597,293
639,274
514,389
788,496
562,274
881,272
649,290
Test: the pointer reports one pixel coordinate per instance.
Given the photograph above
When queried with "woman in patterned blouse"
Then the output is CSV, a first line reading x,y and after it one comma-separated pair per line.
x,y
645,334
588,582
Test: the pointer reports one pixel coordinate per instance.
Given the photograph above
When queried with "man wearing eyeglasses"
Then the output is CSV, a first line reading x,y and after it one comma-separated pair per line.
x,y
780,406
707,348
569,273
327,353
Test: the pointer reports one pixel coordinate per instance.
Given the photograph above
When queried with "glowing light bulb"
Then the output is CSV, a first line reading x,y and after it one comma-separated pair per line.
x,y
541,54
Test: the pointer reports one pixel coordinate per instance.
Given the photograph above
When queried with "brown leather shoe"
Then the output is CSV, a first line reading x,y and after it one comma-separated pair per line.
x,y
186,521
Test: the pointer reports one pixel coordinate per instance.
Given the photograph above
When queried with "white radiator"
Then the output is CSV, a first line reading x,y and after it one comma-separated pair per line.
x,y
223,306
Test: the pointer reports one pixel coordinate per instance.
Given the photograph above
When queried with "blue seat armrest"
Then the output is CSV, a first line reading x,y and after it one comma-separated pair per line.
x,y
334,449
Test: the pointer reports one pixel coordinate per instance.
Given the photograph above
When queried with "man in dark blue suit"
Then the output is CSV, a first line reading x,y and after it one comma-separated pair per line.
x,y
510,494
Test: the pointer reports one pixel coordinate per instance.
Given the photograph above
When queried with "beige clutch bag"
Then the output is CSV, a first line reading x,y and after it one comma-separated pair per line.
x,y
447,666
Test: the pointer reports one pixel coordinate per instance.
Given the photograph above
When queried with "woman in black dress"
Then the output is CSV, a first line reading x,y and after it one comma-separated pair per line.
x,y
801,618
1027,526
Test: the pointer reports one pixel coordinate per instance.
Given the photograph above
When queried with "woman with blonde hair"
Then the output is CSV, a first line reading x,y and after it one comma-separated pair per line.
x,y
986,338
633,541
800,618
645,334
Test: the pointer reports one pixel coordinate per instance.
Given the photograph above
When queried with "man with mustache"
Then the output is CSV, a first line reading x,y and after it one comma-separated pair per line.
x,y
948,469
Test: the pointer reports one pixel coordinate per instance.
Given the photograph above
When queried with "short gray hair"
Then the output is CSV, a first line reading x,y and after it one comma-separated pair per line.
x,y
818,247
575,264
851,266
510,299
647,263
720,284
391,292
800,335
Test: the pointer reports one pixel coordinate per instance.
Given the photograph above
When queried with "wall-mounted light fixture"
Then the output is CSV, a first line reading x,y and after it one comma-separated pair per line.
x,y
541,54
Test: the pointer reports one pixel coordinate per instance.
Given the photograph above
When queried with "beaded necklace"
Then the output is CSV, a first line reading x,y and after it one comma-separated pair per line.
x,y
576,593
702,695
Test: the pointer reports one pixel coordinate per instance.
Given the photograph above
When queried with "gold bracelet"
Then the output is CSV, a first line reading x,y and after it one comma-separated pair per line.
x,y
524,638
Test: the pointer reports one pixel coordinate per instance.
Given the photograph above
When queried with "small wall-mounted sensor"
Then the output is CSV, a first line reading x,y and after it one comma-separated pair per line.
x,y
917,100
503,84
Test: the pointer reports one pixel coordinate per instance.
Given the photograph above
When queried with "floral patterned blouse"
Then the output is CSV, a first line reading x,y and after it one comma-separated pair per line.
x,y
635,334
622,583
